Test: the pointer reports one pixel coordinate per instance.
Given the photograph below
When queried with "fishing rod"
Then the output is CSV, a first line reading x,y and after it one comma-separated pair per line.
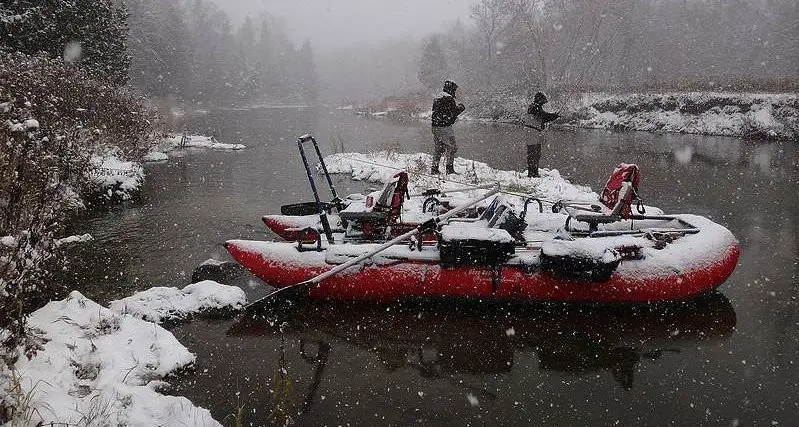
x,y
435,191
519,123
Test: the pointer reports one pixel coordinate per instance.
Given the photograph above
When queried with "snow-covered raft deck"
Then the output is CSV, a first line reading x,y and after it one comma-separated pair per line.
x,y
691,265
644,259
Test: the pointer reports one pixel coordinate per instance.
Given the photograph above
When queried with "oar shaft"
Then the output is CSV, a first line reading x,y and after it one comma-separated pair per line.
x,y
394,241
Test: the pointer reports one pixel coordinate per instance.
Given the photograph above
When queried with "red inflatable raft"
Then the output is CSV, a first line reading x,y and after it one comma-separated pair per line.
x,y
664,258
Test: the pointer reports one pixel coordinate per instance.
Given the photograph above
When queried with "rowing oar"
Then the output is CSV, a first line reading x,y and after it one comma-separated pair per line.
x,y
300,289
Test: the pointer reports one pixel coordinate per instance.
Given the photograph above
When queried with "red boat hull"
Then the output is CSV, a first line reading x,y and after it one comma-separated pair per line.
x,y
280,264
294,228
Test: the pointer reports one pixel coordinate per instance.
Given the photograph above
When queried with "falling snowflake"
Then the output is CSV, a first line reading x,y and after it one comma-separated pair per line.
x,y
72,51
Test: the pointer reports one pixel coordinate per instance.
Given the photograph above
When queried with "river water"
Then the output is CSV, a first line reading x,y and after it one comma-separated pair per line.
x,y
730,358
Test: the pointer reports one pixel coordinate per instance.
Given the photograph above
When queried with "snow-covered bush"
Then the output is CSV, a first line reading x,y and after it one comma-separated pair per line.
x,y
748,115
88,33
53,116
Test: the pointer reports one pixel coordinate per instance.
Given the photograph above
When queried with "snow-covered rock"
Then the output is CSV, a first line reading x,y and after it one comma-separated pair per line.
x,y
160,304
115,179
102,367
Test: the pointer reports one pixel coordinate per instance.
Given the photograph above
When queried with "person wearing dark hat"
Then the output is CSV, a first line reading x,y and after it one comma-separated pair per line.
x,y
445,112
539,119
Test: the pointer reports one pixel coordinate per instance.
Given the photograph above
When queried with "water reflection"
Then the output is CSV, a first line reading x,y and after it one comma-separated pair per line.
x,y
597,367
759,157
439,340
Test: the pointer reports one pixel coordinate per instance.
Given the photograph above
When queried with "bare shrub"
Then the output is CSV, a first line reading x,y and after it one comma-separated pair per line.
x,y
52,117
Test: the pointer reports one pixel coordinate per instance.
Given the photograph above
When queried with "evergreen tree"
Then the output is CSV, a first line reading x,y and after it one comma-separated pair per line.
x,y
160,48
308,80
246,35
91,33
433,67
264,55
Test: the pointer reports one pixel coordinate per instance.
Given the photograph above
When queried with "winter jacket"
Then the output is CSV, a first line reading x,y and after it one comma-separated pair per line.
x,y
445,110
537,110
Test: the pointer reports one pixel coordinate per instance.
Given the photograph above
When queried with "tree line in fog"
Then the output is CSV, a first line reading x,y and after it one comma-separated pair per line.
x,y
620,44
192,51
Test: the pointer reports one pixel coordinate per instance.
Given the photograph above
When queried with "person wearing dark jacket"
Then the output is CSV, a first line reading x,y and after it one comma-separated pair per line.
x,y
537,113
445,112
539,119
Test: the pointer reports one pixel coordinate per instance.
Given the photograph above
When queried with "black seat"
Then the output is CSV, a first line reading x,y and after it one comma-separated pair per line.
x,y
616,214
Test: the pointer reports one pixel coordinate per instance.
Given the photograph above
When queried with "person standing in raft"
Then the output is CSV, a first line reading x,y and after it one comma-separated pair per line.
x,y
445,112
539,119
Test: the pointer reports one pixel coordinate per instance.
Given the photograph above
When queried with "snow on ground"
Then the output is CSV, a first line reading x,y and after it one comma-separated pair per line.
x,y
74,239
160,304
706,113
115,178
155,156
8,241
709,113
176,144
102,366
381,166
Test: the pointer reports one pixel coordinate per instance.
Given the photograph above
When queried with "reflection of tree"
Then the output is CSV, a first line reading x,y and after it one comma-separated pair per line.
x,y
282,389
319,360
619,361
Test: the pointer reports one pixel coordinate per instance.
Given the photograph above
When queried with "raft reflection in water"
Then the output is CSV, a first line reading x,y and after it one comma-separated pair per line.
x,y
440,339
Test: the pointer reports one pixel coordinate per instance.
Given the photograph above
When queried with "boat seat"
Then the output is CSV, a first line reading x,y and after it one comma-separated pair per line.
x,y
619,211
385,205
393,195
620,191
382,209
363,216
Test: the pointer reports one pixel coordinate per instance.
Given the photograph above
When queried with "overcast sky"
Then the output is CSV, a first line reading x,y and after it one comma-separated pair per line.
x,y
337,23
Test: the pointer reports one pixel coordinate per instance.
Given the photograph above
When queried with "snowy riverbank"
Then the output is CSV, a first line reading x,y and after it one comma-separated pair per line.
x,y
744,115
113,179
105,366
758,116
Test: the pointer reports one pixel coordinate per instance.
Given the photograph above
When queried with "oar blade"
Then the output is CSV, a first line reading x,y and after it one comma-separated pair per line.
x,y
281,298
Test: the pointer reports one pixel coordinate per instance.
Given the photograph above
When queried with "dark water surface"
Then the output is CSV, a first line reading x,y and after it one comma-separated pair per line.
x,y
731,358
